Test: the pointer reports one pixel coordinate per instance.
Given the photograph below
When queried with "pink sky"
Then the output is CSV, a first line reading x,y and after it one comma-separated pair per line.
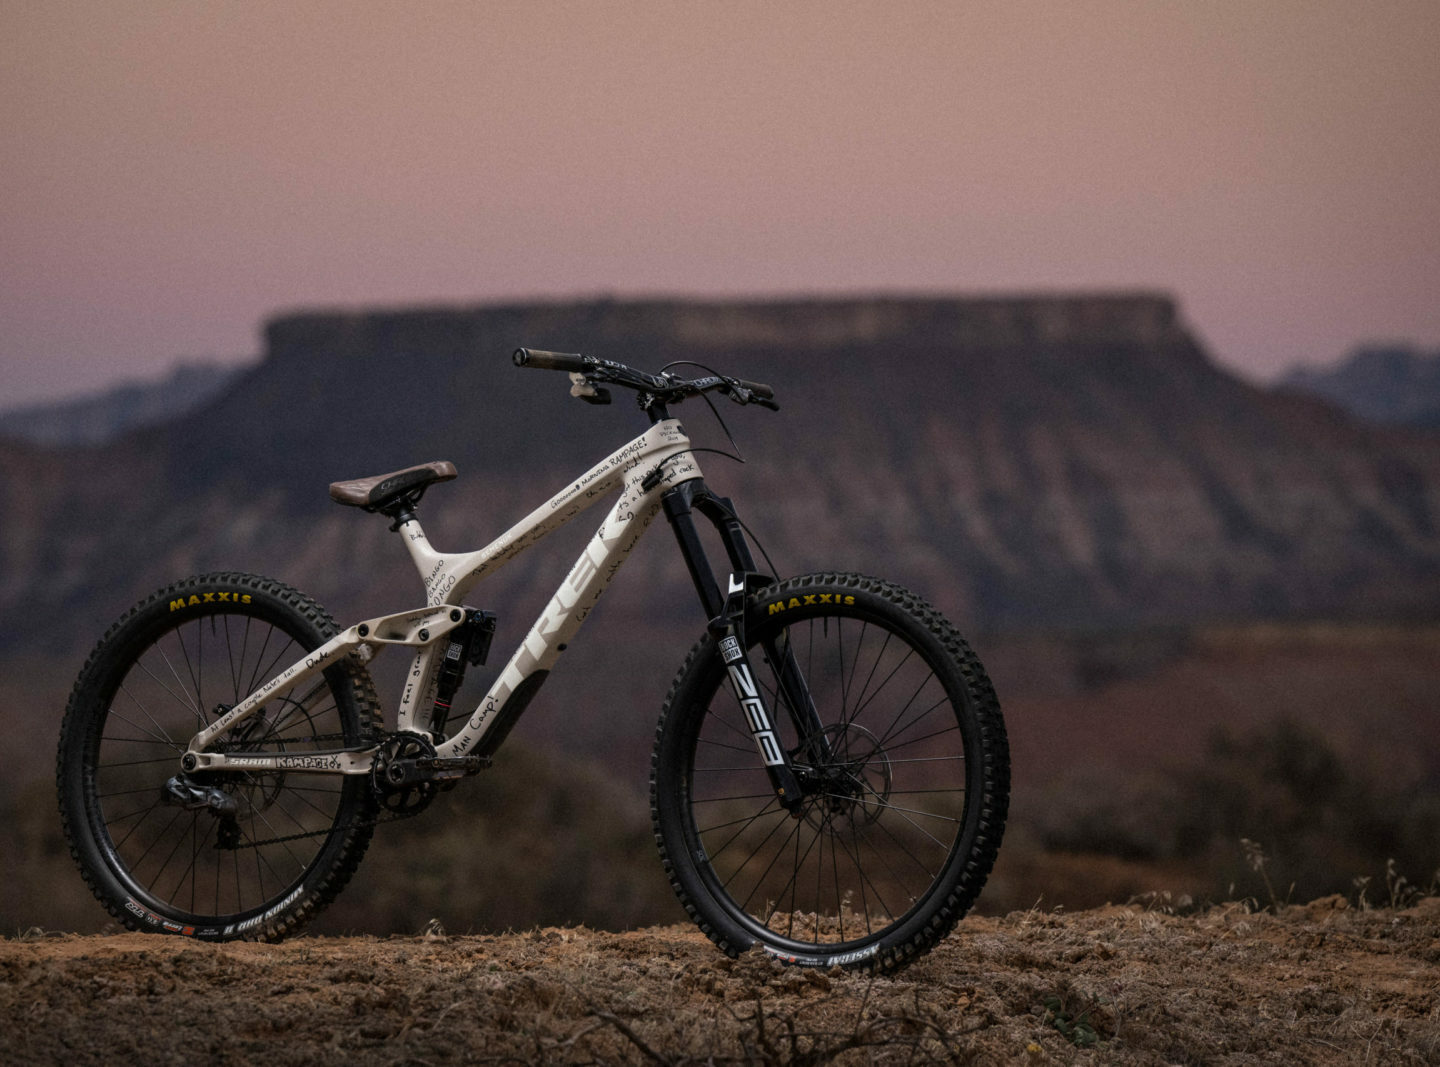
x,y
171,174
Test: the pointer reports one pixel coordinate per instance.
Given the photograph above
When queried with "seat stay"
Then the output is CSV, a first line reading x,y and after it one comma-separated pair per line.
x,y
417,627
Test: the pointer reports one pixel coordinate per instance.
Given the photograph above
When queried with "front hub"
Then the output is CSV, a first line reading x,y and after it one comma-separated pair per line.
x,y
849,786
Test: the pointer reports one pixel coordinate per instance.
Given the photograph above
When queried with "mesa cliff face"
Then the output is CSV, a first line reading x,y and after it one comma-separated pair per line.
x,y
1065,461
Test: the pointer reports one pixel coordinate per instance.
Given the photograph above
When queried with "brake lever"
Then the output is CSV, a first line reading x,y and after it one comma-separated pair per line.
x,y
583,387
740,395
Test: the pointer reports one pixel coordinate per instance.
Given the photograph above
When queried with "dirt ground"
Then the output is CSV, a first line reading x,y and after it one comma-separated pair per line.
x,y
1322,983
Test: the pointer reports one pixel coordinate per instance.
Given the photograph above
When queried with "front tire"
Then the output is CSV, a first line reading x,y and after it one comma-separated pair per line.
x,y
905,774
275,846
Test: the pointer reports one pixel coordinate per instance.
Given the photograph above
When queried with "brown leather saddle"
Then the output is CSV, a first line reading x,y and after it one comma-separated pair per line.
x,y
387,492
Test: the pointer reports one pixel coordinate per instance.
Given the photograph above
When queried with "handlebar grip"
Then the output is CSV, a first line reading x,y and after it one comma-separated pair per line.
x,y
760,389
534,357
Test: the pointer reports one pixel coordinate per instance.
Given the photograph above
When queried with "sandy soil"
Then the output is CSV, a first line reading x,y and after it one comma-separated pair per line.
x,y
1323,983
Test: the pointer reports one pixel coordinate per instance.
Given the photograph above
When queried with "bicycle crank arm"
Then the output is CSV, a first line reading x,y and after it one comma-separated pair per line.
x,y
400,773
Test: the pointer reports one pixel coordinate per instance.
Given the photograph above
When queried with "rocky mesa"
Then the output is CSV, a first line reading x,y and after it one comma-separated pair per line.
x,y
1047,460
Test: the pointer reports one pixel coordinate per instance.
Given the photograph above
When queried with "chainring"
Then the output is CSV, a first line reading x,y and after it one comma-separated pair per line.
x,y
407,798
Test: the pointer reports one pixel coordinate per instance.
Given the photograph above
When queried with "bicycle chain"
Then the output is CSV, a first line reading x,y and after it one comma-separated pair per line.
x,y
389,816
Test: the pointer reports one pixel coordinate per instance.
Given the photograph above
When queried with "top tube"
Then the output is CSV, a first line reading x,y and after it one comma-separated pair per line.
x,y
449,576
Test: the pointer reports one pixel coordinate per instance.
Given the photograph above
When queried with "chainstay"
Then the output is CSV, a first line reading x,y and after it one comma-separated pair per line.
x,y
376,820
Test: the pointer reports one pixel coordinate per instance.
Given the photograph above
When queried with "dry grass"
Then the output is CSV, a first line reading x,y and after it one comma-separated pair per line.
x,y
1326,983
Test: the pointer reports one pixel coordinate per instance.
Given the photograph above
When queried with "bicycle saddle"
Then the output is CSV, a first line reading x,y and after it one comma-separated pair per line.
x,y
383,490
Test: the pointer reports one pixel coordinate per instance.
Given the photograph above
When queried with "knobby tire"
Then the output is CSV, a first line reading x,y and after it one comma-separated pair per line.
x,y
907,772
171,665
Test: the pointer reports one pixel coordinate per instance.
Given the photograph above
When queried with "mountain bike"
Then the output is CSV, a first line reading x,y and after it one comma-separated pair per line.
x,y
830,773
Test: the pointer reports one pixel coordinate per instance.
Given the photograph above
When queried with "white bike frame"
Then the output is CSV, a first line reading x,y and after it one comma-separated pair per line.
x,y
642,470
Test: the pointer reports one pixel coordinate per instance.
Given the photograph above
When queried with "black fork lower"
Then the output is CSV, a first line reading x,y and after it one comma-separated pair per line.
x,y
726,615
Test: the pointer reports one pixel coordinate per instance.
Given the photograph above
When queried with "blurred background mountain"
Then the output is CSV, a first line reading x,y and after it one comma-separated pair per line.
x,y
103,416
1395,384
1210,608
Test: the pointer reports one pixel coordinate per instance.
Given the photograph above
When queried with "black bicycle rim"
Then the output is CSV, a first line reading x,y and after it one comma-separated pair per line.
x,y
885,816
204,866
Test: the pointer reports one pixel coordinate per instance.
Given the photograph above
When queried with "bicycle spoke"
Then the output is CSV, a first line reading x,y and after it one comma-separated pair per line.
x,y
144,709
865,880
883,857
905,850
791,881
905,707
136,763
745,819
795,829
189,669
256,673
726,800
917,740
736,835
122,792
230,662
137,813
152,739
819,874
909,652
187,871
942,702
319,689
734,748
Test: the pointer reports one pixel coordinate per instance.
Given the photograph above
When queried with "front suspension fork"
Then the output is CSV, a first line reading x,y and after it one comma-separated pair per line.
x,y
793,692
727,622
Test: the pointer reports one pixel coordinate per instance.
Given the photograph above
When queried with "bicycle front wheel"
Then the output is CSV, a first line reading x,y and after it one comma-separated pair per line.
x,y
232,854
899,747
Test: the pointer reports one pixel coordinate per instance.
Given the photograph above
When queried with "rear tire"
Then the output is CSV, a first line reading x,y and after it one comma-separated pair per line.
x,y
160,674
905,792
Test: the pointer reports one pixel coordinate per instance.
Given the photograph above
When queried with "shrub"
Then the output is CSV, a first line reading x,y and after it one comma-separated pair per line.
x,y
1320,815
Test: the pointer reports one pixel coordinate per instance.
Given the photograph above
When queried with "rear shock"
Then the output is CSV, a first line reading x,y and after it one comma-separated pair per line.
x,y
469,645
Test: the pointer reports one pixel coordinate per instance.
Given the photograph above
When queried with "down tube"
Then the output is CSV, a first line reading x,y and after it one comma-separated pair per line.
x,y
567,609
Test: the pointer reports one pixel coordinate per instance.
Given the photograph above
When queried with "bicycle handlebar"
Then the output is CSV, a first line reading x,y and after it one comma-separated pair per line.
x,y
540,360
665,387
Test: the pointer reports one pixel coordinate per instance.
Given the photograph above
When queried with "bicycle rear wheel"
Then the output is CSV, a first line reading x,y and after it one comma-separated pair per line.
x,y
904,768
253,854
